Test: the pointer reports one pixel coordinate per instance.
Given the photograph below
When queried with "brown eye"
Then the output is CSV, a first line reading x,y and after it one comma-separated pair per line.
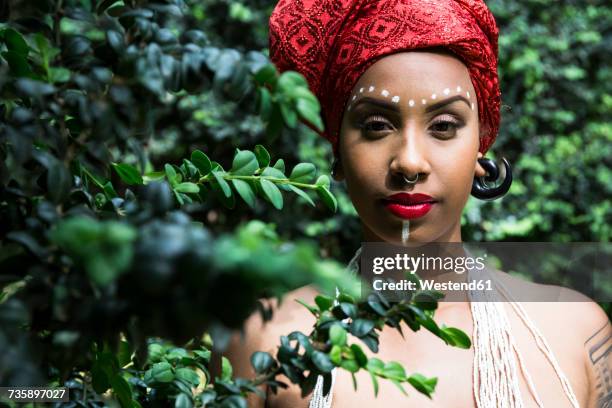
x,y
446,126
374,124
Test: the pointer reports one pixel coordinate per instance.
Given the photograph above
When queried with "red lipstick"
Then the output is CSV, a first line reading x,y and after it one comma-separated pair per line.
x,y
409,206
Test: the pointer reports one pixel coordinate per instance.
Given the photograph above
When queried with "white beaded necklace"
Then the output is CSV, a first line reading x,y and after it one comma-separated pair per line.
x,y
495,377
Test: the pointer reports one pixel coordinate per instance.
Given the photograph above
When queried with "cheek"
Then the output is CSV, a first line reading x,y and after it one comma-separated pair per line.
x,y
456,172
361,171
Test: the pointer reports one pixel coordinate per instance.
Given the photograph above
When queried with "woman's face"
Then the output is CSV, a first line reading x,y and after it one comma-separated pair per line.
x,y
411,113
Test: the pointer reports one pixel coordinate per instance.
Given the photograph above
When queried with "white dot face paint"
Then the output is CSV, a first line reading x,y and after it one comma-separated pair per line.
x,y
411,102
405,231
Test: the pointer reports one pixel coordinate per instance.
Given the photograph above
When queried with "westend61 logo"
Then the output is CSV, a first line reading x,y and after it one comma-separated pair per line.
x,y
488,271
414,264
395,271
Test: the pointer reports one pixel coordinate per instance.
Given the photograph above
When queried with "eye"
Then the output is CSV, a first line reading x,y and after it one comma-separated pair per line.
x,y
446,126
374,124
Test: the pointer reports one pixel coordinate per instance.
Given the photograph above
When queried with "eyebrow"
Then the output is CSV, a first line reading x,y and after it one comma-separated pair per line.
x,y
394,106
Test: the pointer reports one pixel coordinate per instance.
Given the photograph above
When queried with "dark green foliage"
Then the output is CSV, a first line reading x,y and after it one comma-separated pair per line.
x,y
121,236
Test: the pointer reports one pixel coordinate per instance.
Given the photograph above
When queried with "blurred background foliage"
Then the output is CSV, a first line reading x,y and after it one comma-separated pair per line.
x,y
556,132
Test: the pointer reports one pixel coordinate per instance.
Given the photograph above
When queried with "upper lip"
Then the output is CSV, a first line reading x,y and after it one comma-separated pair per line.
x,y
410,199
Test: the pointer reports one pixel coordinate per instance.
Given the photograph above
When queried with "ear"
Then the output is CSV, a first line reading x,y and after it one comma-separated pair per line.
x,y
478,170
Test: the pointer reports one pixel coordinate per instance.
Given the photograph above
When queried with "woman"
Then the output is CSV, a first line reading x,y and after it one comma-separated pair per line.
x,y
410,99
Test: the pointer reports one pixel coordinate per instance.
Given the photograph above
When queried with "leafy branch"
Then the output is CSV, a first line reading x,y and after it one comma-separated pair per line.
x,y
250,175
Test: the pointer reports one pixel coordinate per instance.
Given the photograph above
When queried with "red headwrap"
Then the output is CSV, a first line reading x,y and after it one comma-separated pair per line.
x,y
333,42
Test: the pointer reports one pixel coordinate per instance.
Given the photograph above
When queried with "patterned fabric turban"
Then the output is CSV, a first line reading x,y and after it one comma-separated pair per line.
x,y
333,42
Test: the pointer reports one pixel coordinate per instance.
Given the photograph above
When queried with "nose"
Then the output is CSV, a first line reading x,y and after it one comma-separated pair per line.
x,y
409,155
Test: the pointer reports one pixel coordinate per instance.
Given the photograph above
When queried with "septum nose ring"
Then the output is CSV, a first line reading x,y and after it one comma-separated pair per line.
x,y
416,178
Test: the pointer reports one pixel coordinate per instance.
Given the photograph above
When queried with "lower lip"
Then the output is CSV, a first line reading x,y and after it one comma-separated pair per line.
x,y
409,211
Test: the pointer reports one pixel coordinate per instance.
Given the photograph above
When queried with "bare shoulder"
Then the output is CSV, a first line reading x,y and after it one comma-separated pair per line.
x,y
578,327
594,331
573,312
257,335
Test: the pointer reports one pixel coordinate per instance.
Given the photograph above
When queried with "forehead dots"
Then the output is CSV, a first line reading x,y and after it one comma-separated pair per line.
x,y
388,94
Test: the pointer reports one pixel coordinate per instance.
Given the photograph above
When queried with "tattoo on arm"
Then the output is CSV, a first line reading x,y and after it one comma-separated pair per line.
x,y
598,347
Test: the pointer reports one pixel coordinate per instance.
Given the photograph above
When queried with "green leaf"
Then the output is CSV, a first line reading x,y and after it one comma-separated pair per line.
x,y
425,320
155,352
244,164
18,64
171,174
223,185
226,369
265,103
302,172
289,80
266,74
374,383
15,42
162,372
360,356
337,335
187,187
349,309
272,193
324,302
323,180
302,92
375,366
59,75
99,378
322,361
302,194
188,375
273,172
310,112
201,161
335,355
153,176
263,157
280,165
361,327
311,309
423,384
124,355
129,174
261,361
183,401
350,365
275,122
399,385
328,198
289,115
122,390
456,337
245,191
394,371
